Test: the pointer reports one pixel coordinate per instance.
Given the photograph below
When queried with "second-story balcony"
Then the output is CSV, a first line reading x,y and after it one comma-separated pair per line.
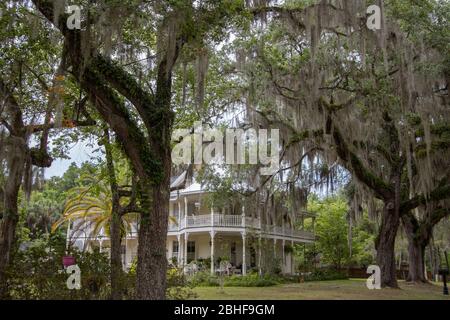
x,y
235,222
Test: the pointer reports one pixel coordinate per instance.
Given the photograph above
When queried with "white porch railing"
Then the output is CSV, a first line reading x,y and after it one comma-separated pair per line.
x,y
203,220
221,220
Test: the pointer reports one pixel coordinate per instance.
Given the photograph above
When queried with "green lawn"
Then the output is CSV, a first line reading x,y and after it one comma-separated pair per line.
x,y
333,290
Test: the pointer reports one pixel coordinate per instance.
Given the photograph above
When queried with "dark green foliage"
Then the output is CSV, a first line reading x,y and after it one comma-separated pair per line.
x,y
332,237
252,280
35,272
178,287
325,274
205,279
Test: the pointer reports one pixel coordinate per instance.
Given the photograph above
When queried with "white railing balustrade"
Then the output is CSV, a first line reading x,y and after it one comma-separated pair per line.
x,y
199,221
303,234
232,221
236,221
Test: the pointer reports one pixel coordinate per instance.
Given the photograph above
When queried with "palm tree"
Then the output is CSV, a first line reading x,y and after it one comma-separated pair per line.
x,y
41,214
94,208
43,209
93,205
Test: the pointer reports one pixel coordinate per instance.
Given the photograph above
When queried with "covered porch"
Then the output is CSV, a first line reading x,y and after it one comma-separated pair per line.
x,y
243,251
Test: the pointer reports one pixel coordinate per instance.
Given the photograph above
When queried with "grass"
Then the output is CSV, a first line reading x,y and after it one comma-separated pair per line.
x,y
325,290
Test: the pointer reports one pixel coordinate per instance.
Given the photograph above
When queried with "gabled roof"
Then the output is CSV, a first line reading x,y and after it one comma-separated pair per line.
x,y
179,185
178,182
193,188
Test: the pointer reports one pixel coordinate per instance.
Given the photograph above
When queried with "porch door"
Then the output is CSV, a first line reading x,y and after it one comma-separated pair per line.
x,y
252,257
233,253
175,248
190,251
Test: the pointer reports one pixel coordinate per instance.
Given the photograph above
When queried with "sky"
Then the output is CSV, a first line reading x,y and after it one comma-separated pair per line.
x,y
79,153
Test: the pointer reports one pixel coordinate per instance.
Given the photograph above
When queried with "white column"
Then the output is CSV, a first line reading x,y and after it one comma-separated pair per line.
x,y
179,215
212,234
292,257
182,250
283,255
274,247
179,250
212,215
243,216
259,256
244,261
186,237
185,212
126,250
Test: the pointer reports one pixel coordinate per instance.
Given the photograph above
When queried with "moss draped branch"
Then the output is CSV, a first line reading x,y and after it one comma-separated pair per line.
x,y
381,188
440,193
99,78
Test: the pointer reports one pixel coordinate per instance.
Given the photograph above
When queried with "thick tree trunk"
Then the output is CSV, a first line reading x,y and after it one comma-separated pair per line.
x,y
152,261
148,152
7,235
155,195
416,258
385,245
115,226
433,260
8,209
116,257
418,239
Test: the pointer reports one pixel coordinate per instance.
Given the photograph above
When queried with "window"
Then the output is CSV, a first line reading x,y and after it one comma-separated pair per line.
x,y
233,248
233,253
252,257
175,246
190,251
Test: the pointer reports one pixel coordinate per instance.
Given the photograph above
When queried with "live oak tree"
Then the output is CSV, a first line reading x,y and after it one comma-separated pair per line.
x,y
30,95
375,101
419,231
145,132
434,33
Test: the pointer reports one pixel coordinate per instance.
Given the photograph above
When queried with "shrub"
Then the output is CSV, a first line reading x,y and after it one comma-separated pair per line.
x,y
325,274
178,288
252,280
205,279
36,272
204,264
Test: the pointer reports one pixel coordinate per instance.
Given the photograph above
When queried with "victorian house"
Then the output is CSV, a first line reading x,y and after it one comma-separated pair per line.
x,y
199,232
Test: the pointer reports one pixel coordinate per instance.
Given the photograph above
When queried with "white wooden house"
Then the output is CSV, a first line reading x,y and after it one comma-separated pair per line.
x,y
199,232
